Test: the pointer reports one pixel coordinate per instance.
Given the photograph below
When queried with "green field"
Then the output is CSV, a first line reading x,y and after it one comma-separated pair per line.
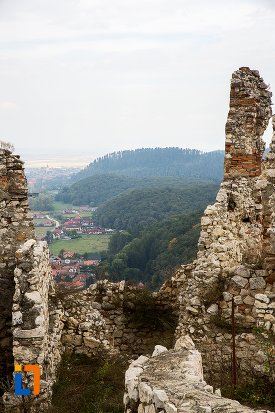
x,y
40,232
88,243
81,214
60,206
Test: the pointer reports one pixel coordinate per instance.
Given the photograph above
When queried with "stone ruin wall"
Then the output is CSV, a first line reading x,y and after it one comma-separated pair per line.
x,y
30,316
235,263
236,247
96,320
173,382
248,117
47,324
16,226
37,324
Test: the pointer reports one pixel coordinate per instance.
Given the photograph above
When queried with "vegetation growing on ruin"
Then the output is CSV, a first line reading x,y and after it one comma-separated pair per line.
x,y
260,393
145,312
89,385
255,391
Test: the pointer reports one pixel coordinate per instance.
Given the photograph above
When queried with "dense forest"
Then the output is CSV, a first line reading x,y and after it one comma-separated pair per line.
x,y
137,209
97,189
148,162
159,229
152,256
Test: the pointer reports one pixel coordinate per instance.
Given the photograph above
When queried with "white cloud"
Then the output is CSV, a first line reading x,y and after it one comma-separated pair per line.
x,y
126,73
7,106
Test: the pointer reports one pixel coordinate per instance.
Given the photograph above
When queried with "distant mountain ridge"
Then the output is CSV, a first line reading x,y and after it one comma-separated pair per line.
x,y
153,162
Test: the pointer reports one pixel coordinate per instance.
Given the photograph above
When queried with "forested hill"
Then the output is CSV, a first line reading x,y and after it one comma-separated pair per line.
x,y
148,162
153,255
98,189
136,209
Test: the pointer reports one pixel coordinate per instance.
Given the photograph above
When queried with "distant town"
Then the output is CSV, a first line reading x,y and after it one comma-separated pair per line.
x,y
69,267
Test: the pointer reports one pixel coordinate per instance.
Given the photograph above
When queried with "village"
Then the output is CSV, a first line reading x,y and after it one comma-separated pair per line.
x,y
71,267
73,272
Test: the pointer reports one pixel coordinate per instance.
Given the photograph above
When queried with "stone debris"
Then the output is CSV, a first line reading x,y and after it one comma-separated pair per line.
x,y
173,382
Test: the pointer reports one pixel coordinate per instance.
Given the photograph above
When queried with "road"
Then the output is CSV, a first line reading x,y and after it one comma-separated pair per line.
x,y
57,224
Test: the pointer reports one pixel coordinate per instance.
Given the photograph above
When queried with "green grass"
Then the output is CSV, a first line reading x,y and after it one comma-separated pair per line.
x,y
88,243
40,232
261,393
59,206
89,385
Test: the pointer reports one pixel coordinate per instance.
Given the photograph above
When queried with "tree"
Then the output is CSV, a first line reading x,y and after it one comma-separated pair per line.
x,y
49,237
43,202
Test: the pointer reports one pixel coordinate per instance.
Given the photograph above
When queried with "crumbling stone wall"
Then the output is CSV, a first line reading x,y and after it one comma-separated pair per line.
x,y
235,263
249,114
30,315
173,382
37,322
16,226
96,320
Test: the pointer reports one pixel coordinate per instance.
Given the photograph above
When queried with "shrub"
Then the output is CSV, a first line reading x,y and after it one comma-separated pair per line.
x,y
146,312
89,385
259,393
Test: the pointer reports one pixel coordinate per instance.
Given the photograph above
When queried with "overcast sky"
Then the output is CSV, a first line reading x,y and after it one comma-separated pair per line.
x,y
94,76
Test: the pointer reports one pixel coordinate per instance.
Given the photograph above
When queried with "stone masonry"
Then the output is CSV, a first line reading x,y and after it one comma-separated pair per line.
x,y
248,117
235,262
96,320
173,382
16,226
37,323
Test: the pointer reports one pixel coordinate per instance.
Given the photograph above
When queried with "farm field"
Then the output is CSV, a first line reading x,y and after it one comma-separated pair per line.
x,y
40,232
60,206
88,243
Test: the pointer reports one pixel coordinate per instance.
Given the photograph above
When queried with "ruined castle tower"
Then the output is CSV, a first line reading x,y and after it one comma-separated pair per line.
x,y
235,263
235,267
248,117
16,226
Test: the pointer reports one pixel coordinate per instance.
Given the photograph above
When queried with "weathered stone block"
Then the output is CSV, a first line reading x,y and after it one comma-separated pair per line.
x,y
257,283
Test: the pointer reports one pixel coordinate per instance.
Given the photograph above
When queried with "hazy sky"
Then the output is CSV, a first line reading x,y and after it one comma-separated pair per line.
x,y
94,76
